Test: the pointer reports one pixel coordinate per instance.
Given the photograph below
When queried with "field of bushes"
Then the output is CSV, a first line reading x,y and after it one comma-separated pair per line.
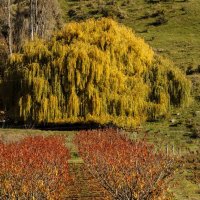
x,y
86,167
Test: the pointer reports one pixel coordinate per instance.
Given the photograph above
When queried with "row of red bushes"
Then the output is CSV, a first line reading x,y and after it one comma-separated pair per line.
x,y
128,169
37,167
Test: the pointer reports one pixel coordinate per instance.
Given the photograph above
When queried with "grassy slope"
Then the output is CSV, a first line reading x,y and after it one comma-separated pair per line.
x,y
178,38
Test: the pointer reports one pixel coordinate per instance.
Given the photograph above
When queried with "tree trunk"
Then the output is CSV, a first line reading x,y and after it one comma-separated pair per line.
x,y
9,28
31,19
36,17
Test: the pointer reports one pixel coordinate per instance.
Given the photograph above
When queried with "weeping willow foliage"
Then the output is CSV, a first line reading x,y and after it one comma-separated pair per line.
x,y
96,70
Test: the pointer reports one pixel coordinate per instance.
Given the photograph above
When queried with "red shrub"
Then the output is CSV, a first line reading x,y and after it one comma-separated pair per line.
x,y
127,169
35,168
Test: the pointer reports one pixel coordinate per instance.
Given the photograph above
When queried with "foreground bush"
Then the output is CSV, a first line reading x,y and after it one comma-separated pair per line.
x,y
127,169
35,168
97,71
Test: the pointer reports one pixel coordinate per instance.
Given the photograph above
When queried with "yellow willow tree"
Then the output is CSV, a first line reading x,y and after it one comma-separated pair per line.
x,y
98,71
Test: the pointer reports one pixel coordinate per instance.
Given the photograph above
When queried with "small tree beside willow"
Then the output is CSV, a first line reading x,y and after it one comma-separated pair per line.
x,y
97,70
